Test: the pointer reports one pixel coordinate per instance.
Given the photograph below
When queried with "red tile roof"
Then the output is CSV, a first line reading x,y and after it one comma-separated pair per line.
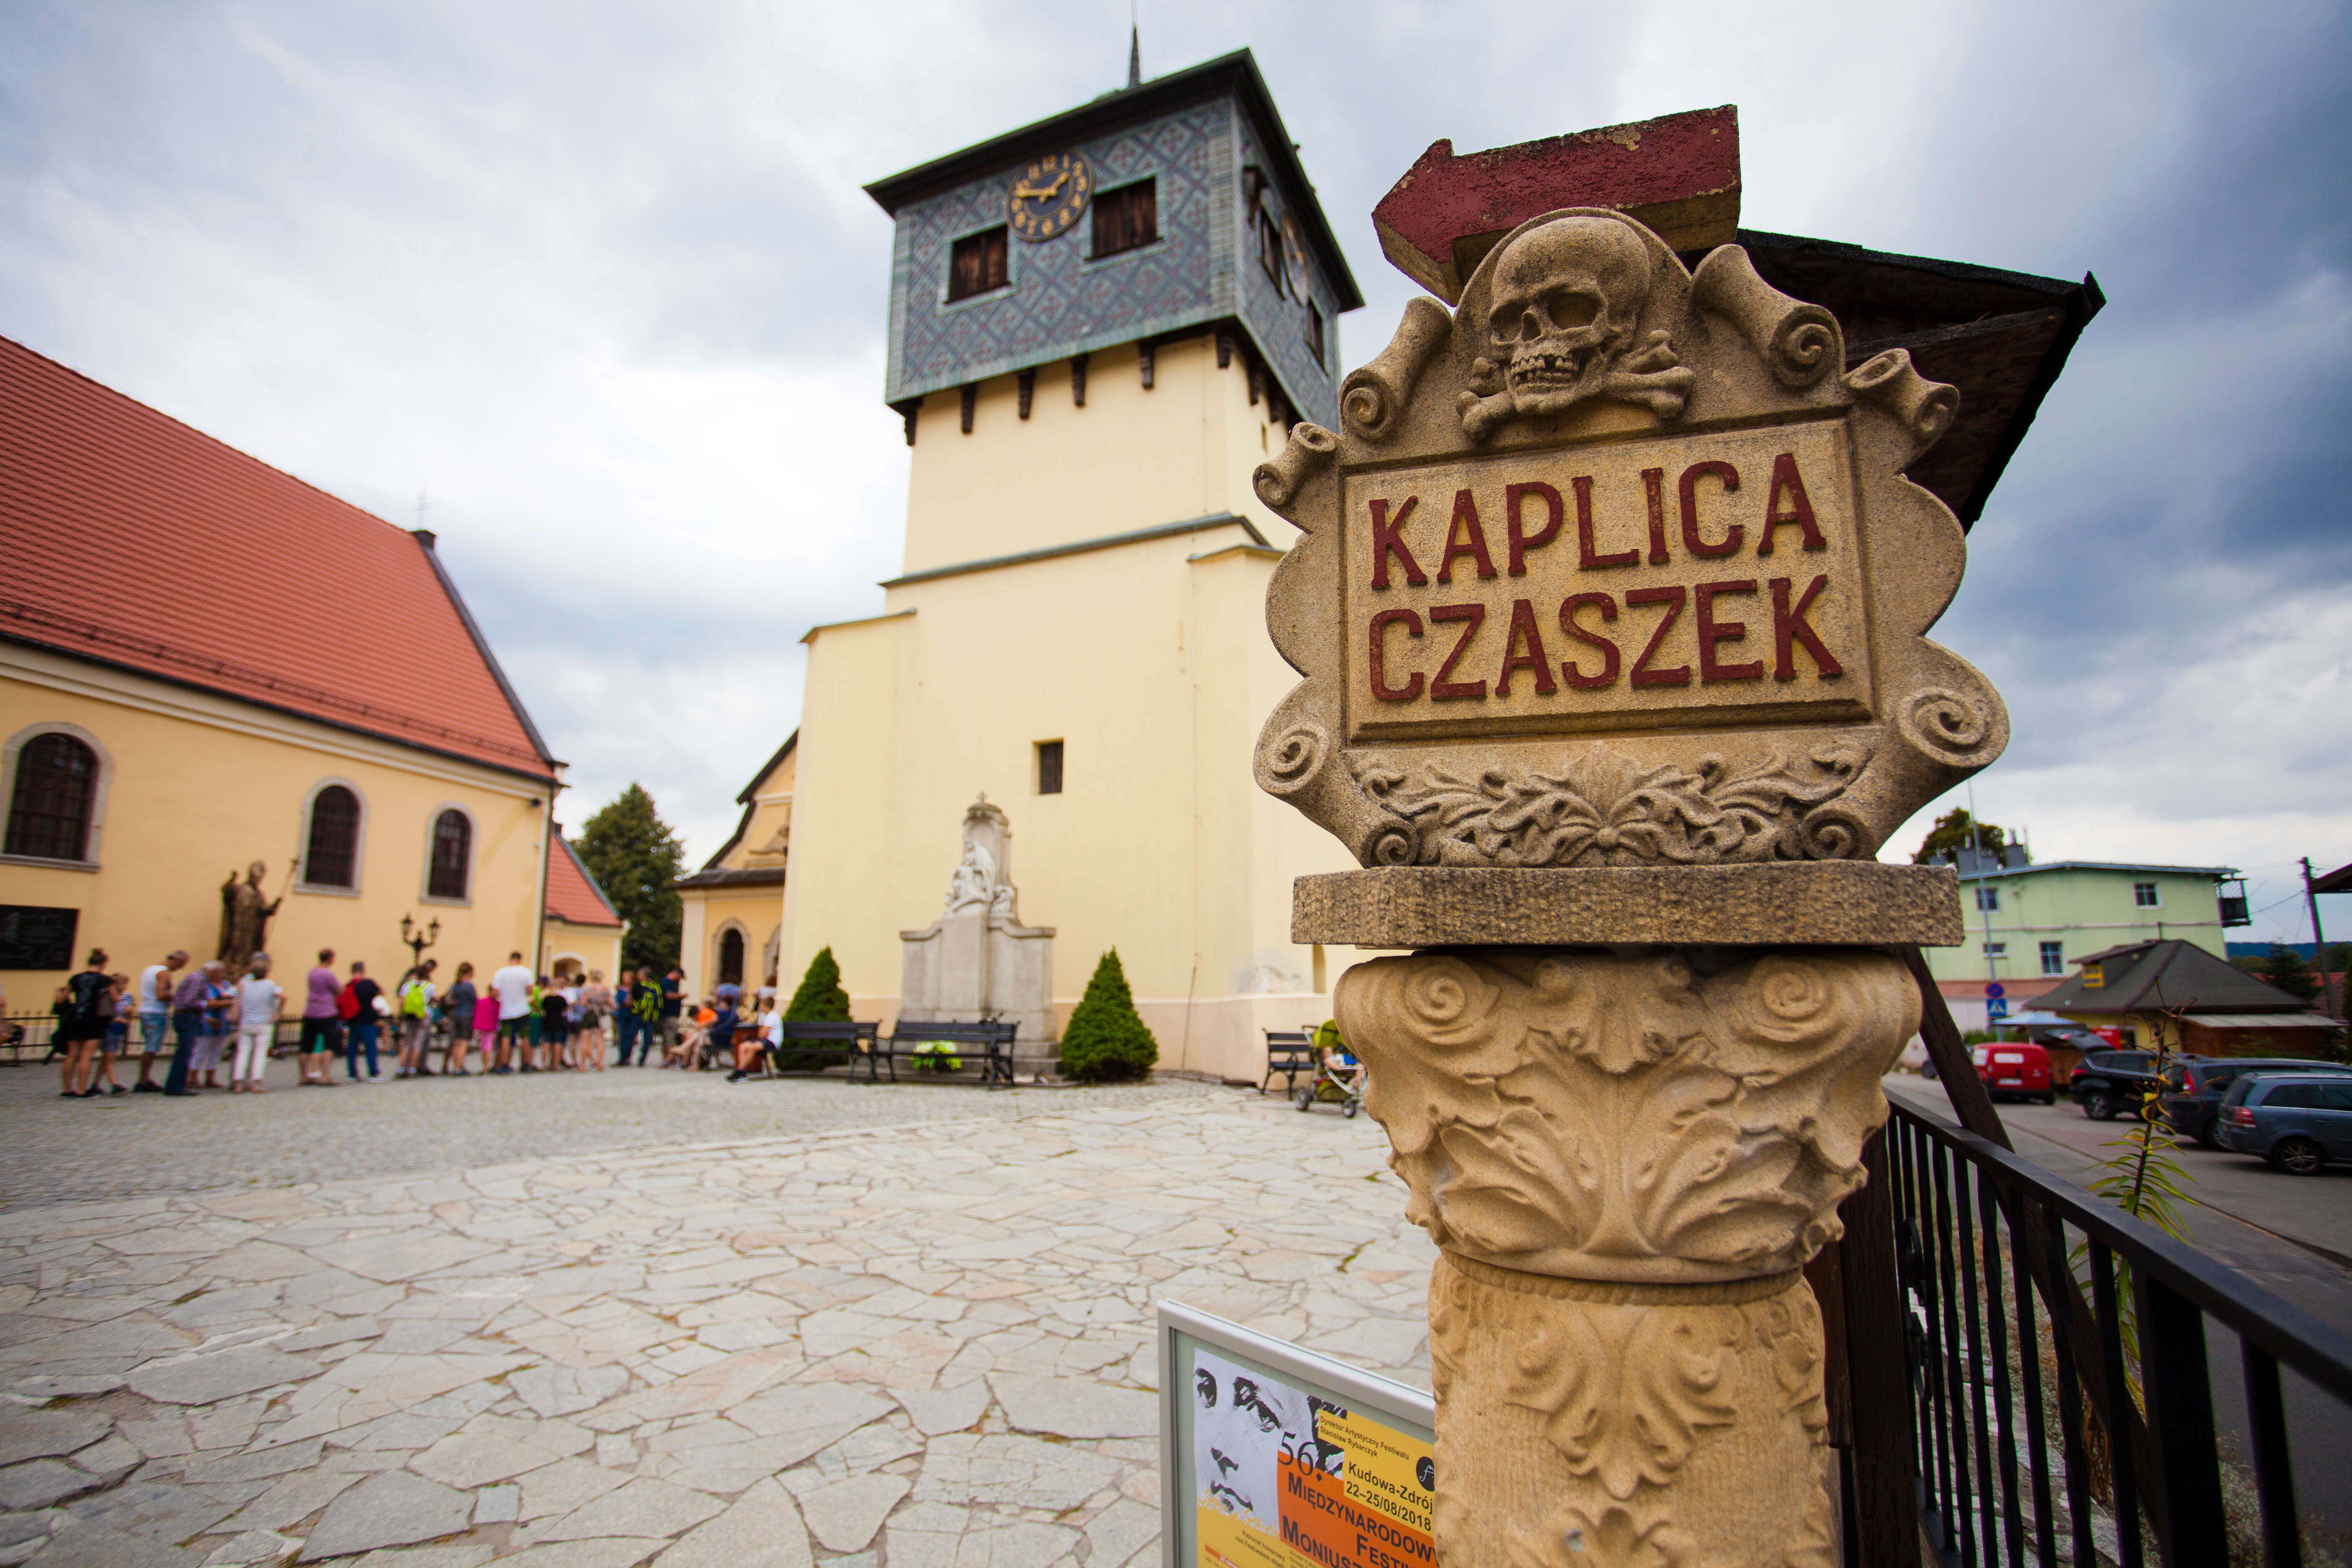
x,y
128,538
573,895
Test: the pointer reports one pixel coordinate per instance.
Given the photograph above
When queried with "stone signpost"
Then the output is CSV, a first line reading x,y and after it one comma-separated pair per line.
x,y
1611,607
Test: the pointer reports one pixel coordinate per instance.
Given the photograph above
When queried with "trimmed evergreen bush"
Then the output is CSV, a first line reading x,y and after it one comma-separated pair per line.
x,y
819,1000
1106,1038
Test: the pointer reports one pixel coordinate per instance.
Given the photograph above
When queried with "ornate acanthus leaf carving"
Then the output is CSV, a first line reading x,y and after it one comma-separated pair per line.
x,y
1604,1117
1605,809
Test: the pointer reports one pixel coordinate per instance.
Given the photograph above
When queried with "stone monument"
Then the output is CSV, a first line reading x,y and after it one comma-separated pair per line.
x,y
977,960
1611,606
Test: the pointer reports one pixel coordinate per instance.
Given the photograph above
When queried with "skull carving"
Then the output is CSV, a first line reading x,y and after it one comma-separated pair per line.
x,y
1567,298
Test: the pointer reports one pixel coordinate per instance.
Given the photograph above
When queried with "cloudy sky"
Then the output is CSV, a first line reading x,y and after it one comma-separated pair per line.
x,y
600,279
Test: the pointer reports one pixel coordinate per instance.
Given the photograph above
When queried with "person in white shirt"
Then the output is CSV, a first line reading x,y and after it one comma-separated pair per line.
x,y
259,1000
511,987
767,1035
155,985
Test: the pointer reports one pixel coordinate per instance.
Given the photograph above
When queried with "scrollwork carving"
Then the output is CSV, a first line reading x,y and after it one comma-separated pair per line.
x,y
1802,343
1309,449
1372,398
1922,407
1295,759
1950,727
1605,809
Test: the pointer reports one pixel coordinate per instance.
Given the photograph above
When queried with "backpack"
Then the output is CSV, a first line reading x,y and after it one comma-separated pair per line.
x,y
412,999
347,1004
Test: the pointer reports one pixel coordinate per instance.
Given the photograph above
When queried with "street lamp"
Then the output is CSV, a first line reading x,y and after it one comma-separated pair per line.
x,y
418,940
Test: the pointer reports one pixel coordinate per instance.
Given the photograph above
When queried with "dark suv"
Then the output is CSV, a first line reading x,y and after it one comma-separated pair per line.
x,y
2194,1087
2298,1121
2109,1081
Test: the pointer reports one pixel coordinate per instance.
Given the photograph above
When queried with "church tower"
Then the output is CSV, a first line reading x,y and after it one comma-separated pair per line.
x,y
1100,324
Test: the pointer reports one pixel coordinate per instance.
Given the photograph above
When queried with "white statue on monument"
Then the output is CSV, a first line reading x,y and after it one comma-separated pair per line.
x,y
977,960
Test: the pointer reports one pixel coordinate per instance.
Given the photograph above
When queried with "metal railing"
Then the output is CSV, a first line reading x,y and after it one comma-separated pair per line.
x,y
2062,1405
25,1037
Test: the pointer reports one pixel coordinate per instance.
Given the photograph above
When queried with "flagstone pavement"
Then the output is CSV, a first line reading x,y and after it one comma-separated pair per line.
x,y
915,1345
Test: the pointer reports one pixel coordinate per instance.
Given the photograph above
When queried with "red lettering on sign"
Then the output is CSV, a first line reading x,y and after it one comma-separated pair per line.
x,y
1587,552
1653,486
1514,500
1388,538
1787,483
1473,544
1672,599
1568,667
1380,687
1523,649
1691,477
1712,632
1442,689
1790,627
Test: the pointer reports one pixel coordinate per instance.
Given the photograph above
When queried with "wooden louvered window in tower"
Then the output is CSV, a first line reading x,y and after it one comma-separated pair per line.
x,y
333,859
978,263
1127,218
452,855
51,808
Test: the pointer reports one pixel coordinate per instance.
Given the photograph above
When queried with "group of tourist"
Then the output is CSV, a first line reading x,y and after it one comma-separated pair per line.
x,y
199,1020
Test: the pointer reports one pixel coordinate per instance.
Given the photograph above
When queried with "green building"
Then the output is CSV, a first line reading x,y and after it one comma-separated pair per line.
x,y
2029,925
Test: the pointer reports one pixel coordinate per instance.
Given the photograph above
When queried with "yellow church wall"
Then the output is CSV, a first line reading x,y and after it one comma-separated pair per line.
x,y
194,785
1129,460
1154,669
587,948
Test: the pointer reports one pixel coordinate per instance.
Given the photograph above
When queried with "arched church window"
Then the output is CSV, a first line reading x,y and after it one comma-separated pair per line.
x,y
50,809
333,858
453,853
731,958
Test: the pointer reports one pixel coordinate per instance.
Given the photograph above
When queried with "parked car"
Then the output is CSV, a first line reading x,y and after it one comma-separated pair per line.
x,y
2298,1121
2194,1087
2109,1081
2015,1070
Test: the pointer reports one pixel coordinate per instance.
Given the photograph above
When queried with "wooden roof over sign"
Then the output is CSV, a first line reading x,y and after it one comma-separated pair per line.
x,y
2000,337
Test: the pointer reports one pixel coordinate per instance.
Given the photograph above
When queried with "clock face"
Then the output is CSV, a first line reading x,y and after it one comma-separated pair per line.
x,y
1048,195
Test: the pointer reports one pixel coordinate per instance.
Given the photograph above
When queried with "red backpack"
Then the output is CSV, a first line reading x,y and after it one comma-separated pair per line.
x,y
347,1002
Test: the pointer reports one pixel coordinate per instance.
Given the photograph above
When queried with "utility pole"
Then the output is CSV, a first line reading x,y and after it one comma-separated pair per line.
x,y
2319,942
1984,905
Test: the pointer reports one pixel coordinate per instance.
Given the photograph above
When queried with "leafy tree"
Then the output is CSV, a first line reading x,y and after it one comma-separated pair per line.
x,y
1955,830
2285,968
820,999
1106,1037
639,858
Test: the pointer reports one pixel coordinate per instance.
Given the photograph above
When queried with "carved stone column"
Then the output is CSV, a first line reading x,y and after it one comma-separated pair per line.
x,y
1627,1159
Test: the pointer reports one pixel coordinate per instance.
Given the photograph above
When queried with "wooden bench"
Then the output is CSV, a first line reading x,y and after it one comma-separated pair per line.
x,y
849,1039
989,1040
1288,1052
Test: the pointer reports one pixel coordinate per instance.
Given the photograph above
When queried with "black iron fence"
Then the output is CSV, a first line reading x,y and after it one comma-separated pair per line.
x,y
27,1037
2062,1408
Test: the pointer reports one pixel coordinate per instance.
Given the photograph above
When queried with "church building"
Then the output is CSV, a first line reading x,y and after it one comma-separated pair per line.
x,y
217,685
1100,324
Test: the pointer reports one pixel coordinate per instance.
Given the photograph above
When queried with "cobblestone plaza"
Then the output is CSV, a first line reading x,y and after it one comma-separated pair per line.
x,y
781,1323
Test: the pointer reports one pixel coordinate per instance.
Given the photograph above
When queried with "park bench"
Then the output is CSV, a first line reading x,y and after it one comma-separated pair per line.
x,y
837,1043
1288,1052
990,1041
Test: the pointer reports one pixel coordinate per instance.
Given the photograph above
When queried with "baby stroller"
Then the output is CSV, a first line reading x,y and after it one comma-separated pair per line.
x,y
1338,1077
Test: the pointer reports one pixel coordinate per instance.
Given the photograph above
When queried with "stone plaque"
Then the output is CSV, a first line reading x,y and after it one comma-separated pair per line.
x,y
1616,565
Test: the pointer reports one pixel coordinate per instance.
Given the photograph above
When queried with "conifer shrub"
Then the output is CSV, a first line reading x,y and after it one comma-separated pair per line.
x,y
1106,1038
819,1000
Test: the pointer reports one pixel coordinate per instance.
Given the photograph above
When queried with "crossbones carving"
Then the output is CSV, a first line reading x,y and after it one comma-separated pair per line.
x,y
1567,297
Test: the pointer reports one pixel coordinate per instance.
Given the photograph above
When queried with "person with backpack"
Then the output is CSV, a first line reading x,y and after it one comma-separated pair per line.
x,y
363,1023
84,1009
259,1001
416,994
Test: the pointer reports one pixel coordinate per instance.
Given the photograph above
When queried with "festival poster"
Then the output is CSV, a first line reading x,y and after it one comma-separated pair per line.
x,y
1291,1480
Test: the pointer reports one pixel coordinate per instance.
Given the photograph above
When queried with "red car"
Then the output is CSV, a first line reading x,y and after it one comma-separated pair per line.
x,y
2019,1070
